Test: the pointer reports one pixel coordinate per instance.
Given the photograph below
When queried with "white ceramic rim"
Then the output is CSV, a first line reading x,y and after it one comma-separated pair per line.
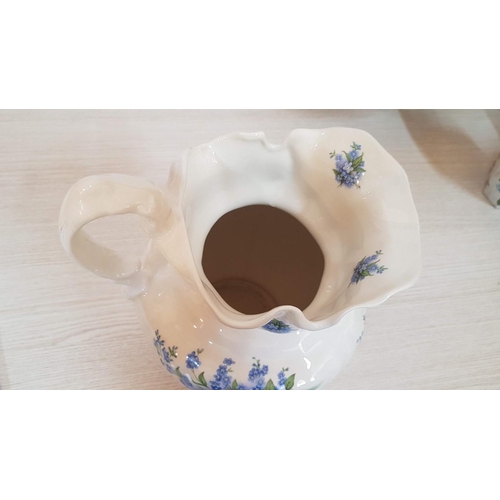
x,y
229,316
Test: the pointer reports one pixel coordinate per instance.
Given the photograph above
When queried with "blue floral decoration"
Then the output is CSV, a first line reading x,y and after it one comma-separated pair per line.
x,y
363,331
349,167
192,360
222,378
282,379
369,266
166,354
277,326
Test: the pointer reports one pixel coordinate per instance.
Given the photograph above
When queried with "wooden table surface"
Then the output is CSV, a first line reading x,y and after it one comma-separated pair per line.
x,y
64,328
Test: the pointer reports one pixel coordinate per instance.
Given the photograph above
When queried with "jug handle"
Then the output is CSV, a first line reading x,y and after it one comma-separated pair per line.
x,y
99,196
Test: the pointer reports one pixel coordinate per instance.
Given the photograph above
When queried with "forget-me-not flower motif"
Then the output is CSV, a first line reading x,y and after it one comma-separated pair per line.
x,y
193,361
282,378
165,354
159,342
349,167
223,378
277,326
368,266
257,371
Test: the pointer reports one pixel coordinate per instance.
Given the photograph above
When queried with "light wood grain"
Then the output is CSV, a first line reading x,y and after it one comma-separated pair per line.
x,y
63,328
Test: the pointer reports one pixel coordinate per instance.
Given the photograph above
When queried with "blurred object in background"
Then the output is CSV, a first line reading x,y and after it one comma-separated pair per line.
x,y
492,188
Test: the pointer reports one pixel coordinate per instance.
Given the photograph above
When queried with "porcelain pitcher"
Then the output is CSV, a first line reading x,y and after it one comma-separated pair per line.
x,y
340,184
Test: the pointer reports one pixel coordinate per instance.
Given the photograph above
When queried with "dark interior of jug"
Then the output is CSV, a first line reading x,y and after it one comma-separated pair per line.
x,y
259,257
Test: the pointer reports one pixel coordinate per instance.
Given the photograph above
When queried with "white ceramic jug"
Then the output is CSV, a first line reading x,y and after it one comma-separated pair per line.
x,y
339,183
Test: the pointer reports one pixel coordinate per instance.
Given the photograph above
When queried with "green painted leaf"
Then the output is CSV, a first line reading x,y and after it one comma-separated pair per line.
x,y
348,156
289,382
178,372
270,386
235,385
360,170
498,202
357,162
202,380
336,172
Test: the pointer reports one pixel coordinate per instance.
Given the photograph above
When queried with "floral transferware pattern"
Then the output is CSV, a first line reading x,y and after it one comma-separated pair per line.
x,y
349,166
368,266
277,326
362,331
222,378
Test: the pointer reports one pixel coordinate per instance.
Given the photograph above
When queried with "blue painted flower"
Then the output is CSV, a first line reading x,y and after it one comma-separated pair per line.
x,y
367,266
257,375
186,381
222,380
159,343
166,355
257,370
253,374
350,168
346,174
193,361
277,326
340,161
498,187
282,378
261,382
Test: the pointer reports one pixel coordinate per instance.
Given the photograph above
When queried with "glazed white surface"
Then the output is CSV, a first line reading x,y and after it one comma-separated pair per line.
x,y
183,318
242,169
296,176
64,328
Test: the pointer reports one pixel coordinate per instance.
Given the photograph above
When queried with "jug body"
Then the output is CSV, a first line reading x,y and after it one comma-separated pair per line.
x,y
349,194
204,353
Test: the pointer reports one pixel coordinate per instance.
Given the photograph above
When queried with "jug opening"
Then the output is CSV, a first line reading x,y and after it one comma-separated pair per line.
x,y
259,257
